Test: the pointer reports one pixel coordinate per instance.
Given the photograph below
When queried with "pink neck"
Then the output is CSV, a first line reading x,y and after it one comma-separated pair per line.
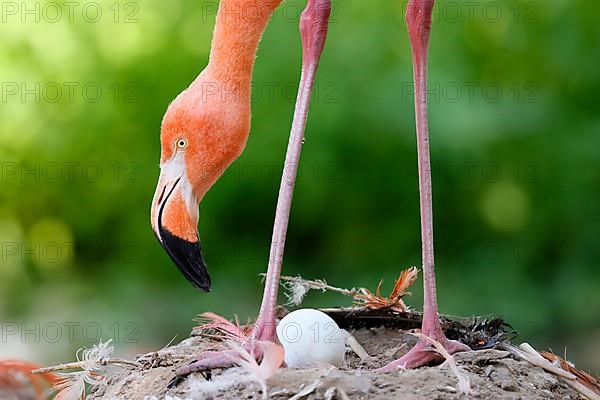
x,y
238,29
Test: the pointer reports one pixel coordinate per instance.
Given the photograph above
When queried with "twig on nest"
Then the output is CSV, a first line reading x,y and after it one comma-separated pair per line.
x,y
583,377
297,287
81,364
528,353
91,364
356,346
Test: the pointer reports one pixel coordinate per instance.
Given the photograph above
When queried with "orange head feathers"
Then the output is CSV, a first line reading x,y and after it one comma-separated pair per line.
x,y
204,130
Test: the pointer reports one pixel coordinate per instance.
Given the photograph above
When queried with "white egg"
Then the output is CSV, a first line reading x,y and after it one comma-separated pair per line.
x,y
311,337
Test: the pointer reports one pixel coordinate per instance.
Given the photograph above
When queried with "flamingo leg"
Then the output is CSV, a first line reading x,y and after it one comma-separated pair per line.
x,y
418,19
314,23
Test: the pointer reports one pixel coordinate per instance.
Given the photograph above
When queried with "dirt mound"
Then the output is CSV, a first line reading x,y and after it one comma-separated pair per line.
x,y
493,374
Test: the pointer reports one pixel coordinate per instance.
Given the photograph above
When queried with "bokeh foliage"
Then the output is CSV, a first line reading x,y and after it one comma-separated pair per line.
x,y
514,135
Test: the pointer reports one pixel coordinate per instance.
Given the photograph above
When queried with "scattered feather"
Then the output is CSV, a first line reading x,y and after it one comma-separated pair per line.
x,y
295,292
308,389
333,378
216,327
375,301
464,384
229,378
72,385
16,377
272,358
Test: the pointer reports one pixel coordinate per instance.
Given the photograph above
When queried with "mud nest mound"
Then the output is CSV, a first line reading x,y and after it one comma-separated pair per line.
x,y
493,373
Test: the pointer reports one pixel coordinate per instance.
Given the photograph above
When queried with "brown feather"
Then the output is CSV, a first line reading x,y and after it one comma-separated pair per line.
x,y
366,299
16,375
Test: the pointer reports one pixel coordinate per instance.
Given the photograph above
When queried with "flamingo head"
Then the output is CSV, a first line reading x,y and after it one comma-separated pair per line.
x,y
200,138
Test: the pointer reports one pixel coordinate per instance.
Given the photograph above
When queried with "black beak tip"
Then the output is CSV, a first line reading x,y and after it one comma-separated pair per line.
x,y
204,288
187,257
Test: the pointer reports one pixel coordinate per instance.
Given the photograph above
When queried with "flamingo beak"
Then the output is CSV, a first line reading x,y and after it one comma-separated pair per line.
x,y
174,218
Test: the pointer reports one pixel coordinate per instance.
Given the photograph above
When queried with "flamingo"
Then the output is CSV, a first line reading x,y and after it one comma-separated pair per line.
x,y
203,133
206,128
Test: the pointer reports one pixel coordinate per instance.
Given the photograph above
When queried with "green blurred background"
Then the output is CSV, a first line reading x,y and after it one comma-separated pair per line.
x,y
514,135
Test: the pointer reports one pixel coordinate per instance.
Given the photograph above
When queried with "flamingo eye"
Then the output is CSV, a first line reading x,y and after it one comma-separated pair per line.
x,y
181,143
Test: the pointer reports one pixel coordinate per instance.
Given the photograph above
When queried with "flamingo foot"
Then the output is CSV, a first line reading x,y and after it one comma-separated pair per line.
x,y
424,353
208,360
